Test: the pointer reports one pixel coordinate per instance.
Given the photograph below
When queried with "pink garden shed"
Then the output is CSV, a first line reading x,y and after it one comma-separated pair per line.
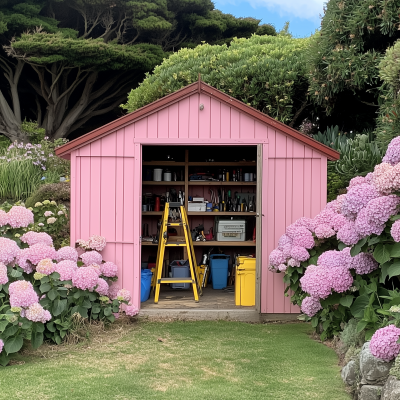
x,y
198,143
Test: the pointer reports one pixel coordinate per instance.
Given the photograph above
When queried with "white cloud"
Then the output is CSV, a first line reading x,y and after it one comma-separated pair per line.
x,y
307,9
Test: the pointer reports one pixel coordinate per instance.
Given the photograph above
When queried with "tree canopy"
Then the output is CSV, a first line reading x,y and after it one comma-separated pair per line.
x,y
58,54
266,72
344,59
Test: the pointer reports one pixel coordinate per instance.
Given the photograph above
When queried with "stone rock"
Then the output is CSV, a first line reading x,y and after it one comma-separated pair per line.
x,y
373,370
349,373
391,390
370,392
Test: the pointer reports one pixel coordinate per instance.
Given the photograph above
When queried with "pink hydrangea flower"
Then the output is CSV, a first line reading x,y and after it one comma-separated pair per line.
x,y
282,267
48,214
131,310
276,257
109,269
20,217
310,306
102,287
113,290
85,278
316,282
299,253
380,178
37,313
91,257
124,295
358,180
22,294
373,217
286,250
357,198
284,240
392,155
66,269
324,231
40,251
22,261
364,263
384,344
293,263
3,218
348,234
46,267
32,238
9,250
67,253
1,345
334,259
95,268
3,274
97,242
341,279
302,237
395,231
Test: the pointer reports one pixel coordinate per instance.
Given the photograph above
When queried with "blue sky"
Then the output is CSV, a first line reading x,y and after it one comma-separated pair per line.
x,y
304,15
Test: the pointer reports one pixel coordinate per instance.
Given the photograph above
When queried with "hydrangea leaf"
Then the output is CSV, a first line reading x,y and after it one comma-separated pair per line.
x,y
359,305
361,326
395,250
14,344
394,269
381,253
347,301
3,325
36,339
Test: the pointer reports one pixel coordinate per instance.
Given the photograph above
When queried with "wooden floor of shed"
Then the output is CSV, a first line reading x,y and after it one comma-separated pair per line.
x,y
184,299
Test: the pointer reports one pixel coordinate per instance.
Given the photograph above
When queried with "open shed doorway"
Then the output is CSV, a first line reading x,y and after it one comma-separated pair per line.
x,y
228,177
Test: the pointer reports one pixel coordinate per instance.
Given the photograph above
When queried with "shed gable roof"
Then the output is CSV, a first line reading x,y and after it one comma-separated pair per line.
x,y
199,87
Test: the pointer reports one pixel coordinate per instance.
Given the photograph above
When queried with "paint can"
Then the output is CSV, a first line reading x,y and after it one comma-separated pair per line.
x,y
251,177
144,207
209,207
247,177
167,176
157,174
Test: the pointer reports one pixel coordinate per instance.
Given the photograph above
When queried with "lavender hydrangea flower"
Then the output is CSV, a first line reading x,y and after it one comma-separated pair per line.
x,y
310,306
384,344
395,231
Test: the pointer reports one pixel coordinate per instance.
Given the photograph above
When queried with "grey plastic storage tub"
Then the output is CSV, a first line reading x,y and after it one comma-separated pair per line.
x,y
180,269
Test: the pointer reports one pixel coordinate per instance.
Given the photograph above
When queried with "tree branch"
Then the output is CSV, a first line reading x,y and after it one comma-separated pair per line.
x,y
298,112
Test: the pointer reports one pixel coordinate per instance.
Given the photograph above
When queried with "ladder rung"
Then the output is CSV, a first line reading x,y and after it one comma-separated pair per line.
x,y
175,280
175,224
176,244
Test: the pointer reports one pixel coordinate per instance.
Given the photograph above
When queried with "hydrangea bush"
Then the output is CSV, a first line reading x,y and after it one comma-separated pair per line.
x,y
41,288
345,262
48,217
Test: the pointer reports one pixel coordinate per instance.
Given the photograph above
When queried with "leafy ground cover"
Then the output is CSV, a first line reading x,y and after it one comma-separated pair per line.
x,y
180,360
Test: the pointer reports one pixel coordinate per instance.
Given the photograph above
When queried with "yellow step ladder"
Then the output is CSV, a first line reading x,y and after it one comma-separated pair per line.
x,y
175,215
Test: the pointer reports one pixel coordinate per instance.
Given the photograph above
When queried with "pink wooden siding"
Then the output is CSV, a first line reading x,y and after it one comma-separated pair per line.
x,y
106,182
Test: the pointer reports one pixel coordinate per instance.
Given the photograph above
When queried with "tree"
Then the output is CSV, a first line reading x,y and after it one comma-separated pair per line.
x,y
266,72
76,59
344,58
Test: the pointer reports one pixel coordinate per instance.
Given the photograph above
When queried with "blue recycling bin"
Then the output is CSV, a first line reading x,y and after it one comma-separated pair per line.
x,y
145,284
219,270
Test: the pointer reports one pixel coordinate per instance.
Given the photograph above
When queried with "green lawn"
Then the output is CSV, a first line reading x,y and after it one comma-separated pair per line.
x,y
194,360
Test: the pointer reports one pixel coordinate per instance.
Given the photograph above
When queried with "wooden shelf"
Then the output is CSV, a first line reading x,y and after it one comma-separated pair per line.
x,y
163,183
220,213
211,183
223,164
248,243
164,163
144,213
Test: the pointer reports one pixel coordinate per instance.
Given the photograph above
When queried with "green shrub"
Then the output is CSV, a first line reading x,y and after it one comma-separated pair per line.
x,y
60,192
395,370
265,72
350,337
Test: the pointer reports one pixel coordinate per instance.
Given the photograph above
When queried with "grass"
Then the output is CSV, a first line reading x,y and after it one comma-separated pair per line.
x,y
181,360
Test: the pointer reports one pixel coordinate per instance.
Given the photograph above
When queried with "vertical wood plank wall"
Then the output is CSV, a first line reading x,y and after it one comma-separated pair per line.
x,y
105,192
